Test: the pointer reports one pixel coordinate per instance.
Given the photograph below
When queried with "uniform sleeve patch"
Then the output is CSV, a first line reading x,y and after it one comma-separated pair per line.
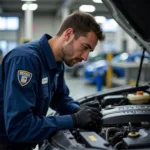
x,y
24,77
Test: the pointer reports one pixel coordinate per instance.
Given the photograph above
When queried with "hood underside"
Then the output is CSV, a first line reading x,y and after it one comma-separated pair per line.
x,y
133,17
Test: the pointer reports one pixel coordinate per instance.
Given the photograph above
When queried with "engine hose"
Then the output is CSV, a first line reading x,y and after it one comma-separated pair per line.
x,y
116,146
108,131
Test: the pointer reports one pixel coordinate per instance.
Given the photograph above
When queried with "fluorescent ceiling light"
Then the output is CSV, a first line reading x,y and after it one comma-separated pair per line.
x,y
87,8
100,19
97,1
31,6
28,0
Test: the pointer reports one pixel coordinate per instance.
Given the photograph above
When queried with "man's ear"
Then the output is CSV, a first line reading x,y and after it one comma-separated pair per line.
x,y
68,33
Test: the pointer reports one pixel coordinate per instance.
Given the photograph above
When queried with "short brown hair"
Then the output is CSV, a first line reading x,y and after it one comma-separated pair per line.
x,y
82,23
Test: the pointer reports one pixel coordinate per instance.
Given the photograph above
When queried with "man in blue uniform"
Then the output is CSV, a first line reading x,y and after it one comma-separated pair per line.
x,y
32,80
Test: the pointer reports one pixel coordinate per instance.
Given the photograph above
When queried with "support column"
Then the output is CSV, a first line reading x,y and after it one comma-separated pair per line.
x,y
28,23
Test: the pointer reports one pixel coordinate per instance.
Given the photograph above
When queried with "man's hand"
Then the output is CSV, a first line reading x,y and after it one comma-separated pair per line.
x,y
86,117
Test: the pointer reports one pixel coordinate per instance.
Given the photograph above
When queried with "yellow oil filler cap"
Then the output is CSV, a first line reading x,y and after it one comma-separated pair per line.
x,y
139,97
133,134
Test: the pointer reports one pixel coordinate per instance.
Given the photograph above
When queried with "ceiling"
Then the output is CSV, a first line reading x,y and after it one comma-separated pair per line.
x,y
51,7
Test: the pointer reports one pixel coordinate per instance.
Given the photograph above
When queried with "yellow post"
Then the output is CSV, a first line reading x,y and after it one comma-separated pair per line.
x,y
109,71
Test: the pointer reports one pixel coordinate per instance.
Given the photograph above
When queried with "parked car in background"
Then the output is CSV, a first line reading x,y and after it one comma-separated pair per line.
x,y
100,67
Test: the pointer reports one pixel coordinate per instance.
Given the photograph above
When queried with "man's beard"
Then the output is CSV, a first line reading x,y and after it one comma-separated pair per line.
x,y
68,63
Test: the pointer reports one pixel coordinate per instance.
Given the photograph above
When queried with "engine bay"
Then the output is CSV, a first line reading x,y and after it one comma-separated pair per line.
x,y
125,123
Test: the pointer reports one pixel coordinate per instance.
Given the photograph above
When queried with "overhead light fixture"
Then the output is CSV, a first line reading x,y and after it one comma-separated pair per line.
x,y
31,6
28,0
87,8
97,1
100,19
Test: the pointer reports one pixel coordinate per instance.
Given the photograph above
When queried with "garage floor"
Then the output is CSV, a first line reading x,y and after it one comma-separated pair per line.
x,y
78,87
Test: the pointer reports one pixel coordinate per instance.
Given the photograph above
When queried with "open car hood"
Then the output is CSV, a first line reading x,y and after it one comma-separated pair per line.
x,y
133,17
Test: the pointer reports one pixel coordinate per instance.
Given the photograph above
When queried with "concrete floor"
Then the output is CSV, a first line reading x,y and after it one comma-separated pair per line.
x,y
78,87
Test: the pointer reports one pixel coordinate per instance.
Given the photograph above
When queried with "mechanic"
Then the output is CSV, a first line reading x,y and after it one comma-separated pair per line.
x,y
32,80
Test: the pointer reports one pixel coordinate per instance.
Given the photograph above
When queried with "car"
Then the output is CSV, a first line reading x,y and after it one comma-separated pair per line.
x,y
91,70
129,57
125,122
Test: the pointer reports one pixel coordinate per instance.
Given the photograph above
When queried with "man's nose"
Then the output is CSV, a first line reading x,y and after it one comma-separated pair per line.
x,y
85,56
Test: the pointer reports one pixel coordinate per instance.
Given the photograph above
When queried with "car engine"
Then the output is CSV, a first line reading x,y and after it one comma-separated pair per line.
x,y
125,124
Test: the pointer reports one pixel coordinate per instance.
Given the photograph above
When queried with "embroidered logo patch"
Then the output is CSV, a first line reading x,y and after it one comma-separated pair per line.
x,y
24,77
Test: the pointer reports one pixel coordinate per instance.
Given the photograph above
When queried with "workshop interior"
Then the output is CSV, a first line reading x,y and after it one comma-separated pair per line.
x,y
116,74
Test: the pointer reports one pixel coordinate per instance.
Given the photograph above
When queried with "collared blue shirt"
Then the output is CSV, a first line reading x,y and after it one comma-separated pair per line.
x,y
31,82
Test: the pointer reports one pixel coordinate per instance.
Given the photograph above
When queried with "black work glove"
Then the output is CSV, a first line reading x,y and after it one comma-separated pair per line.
x,y
95,127
89,104
86,117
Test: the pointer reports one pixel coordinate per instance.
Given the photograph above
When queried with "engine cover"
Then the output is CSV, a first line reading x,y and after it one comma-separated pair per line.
x,y
124,114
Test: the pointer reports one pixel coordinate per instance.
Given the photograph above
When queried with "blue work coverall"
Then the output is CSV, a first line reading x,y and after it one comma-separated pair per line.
x,y
31,82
